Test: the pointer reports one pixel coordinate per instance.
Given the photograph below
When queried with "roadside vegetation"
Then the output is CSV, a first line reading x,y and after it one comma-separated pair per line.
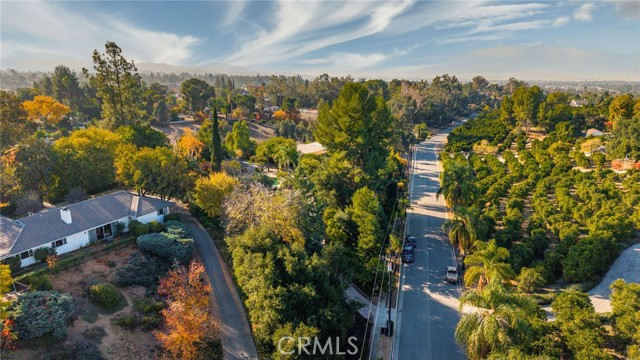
x,y
548,207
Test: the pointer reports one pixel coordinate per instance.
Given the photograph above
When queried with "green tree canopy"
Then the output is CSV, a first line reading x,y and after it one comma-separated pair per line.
x,y
197,93
359,124
118,85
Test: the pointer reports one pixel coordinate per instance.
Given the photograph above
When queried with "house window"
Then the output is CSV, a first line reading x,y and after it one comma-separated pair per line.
x,y
160,211
104,232
59,243
26,254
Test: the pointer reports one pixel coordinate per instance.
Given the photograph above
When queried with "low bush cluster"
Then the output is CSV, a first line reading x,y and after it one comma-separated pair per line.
x,y
155,227
40,254
40,282
42,312
127,321
77,349
177,228
174,244
107,296
136,228
172,216
141,269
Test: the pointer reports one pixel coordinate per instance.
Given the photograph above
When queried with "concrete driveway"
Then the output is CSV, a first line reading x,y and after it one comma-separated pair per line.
x,y
235,332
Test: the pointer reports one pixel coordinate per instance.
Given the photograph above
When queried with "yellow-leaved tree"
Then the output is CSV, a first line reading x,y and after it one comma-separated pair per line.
x,y
210,192
189,146
45,109
187,314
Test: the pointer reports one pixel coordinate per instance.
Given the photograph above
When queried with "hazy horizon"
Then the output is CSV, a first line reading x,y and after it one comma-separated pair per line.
x,y
564,41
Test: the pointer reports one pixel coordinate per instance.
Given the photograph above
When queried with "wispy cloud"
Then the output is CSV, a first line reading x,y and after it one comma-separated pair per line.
x,y
54,31
299,28
354,61
583,13
627,10
460,39
561,21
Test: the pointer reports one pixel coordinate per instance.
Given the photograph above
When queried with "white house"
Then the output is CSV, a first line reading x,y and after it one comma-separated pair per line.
x,y
578,103
74,226
594,132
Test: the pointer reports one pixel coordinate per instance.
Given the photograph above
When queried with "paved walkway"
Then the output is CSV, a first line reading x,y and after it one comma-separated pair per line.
x,y
235,333
626,267
353,294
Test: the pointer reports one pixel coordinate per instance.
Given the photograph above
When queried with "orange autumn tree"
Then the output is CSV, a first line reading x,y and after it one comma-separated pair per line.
x,y
189,146
187,314
45,109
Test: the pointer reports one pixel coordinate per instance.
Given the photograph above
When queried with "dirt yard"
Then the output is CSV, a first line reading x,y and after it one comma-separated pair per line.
x,y
114,342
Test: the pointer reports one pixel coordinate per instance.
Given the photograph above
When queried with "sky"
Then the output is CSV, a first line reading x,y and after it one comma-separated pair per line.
x,y
543,40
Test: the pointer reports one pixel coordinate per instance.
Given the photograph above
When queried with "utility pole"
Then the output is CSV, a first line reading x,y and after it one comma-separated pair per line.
x,y
389,321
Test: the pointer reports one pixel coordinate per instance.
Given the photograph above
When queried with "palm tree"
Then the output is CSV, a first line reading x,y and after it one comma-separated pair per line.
x,y
457,182
486,263
497,320
461,229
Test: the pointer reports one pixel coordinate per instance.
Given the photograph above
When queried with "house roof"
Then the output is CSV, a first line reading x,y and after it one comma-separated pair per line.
x,y
594,132
311,148
40,229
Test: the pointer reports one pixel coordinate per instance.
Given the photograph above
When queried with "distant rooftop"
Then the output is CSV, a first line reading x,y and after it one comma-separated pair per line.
x,y
312,148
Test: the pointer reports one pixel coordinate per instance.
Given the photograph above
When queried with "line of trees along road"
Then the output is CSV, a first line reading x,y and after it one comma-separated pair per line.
x,y
525,216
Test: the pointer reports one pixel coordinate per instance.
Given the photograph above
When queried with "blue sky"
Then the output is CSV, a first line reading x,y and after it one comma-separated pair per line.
x,y
387,39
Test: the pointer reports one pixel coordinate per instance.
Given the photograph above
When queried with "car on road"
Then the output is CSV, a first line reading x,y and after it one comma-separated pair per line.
x,y
451,275
408,255
410,241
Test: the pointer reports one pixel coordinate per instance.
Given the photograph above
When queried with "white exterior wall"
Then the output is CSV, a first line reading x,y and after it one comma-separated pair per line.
x,y
74,242
28,261
153,216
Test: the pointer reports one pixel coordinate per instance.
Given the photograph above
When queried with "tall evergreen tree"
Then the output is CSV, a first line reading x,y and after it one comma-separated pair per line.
x,y
358,123
118,85
216,155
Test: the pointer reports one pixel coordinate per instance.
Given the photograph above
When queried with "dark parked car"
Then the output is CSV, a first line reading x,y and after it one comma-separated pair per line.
x,y
410,240
407,255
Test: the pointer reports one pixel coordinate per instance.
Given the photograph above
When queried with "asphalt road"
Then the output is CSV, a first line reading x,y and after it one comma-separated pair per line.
x,y
235,333
428,306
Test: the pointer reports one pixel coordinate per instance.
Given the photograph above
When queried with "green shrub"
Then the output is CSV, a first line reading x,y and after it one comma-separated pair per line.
x,y
148,306
172,216
209,348
14,264
168,246
107,296
137,228
96,333
77,349
41,312
127,321
155,227
151,321
40,282
177,228
40,254
112,264
141,269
